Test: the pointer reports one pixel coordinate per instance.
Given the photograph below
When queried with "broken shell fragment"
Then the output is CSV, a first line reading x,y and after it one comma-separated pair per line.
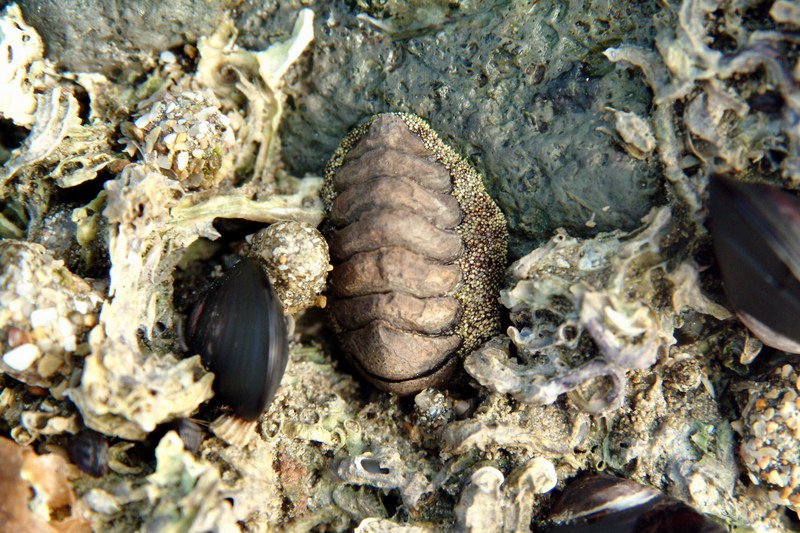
x,y
600,503
480,505
37,491
238,328
756,230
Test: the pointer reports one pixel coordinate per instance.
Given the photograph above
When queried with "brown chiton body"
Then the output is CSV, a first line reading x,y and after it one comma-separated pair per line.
x,y
418,249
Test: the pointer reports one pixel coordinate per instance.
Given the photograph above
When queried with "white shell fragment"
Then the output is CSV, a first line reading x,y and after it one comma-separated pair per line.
x,y
635,132
43,317
55,120
276,60
22,357
22,47
479,508
539,476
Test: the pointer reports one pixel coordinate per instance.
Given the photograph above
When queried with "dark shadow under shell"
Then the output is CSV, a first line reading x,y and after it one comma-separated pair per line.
x,y
237,327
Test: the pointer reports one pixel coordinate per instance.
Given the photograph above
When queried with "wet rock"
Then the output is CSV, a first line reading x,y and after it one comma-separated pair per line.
x,y
118,38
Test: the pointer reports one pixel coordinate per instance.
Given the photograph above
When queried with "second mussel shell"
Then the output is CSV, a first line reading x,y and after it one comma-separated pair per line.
x,y
607,504
756,231
238,328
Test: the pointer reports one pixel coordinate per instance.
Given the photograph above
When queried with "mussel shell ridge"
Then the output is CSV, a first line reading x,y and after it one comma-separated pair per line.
x,y
238,329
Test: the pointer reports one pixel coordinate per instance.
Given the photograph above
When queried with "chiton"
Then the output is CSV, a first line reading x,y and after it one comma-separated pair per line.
x,y
418,248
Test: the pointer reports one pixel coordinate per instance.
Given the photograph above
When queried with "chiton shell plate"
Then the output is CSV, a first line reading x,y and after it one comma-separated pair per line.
x,y
418,248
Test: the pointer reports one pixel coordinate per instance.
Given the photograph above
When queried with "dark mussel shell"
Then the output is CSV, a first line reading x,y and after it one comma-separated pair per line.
x,y
237,327
89,451
607,504
756,231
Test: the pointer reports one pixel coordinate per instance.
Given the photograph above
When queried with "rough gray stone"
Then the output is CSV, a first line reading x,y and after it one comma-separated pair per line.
x,y
115,37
